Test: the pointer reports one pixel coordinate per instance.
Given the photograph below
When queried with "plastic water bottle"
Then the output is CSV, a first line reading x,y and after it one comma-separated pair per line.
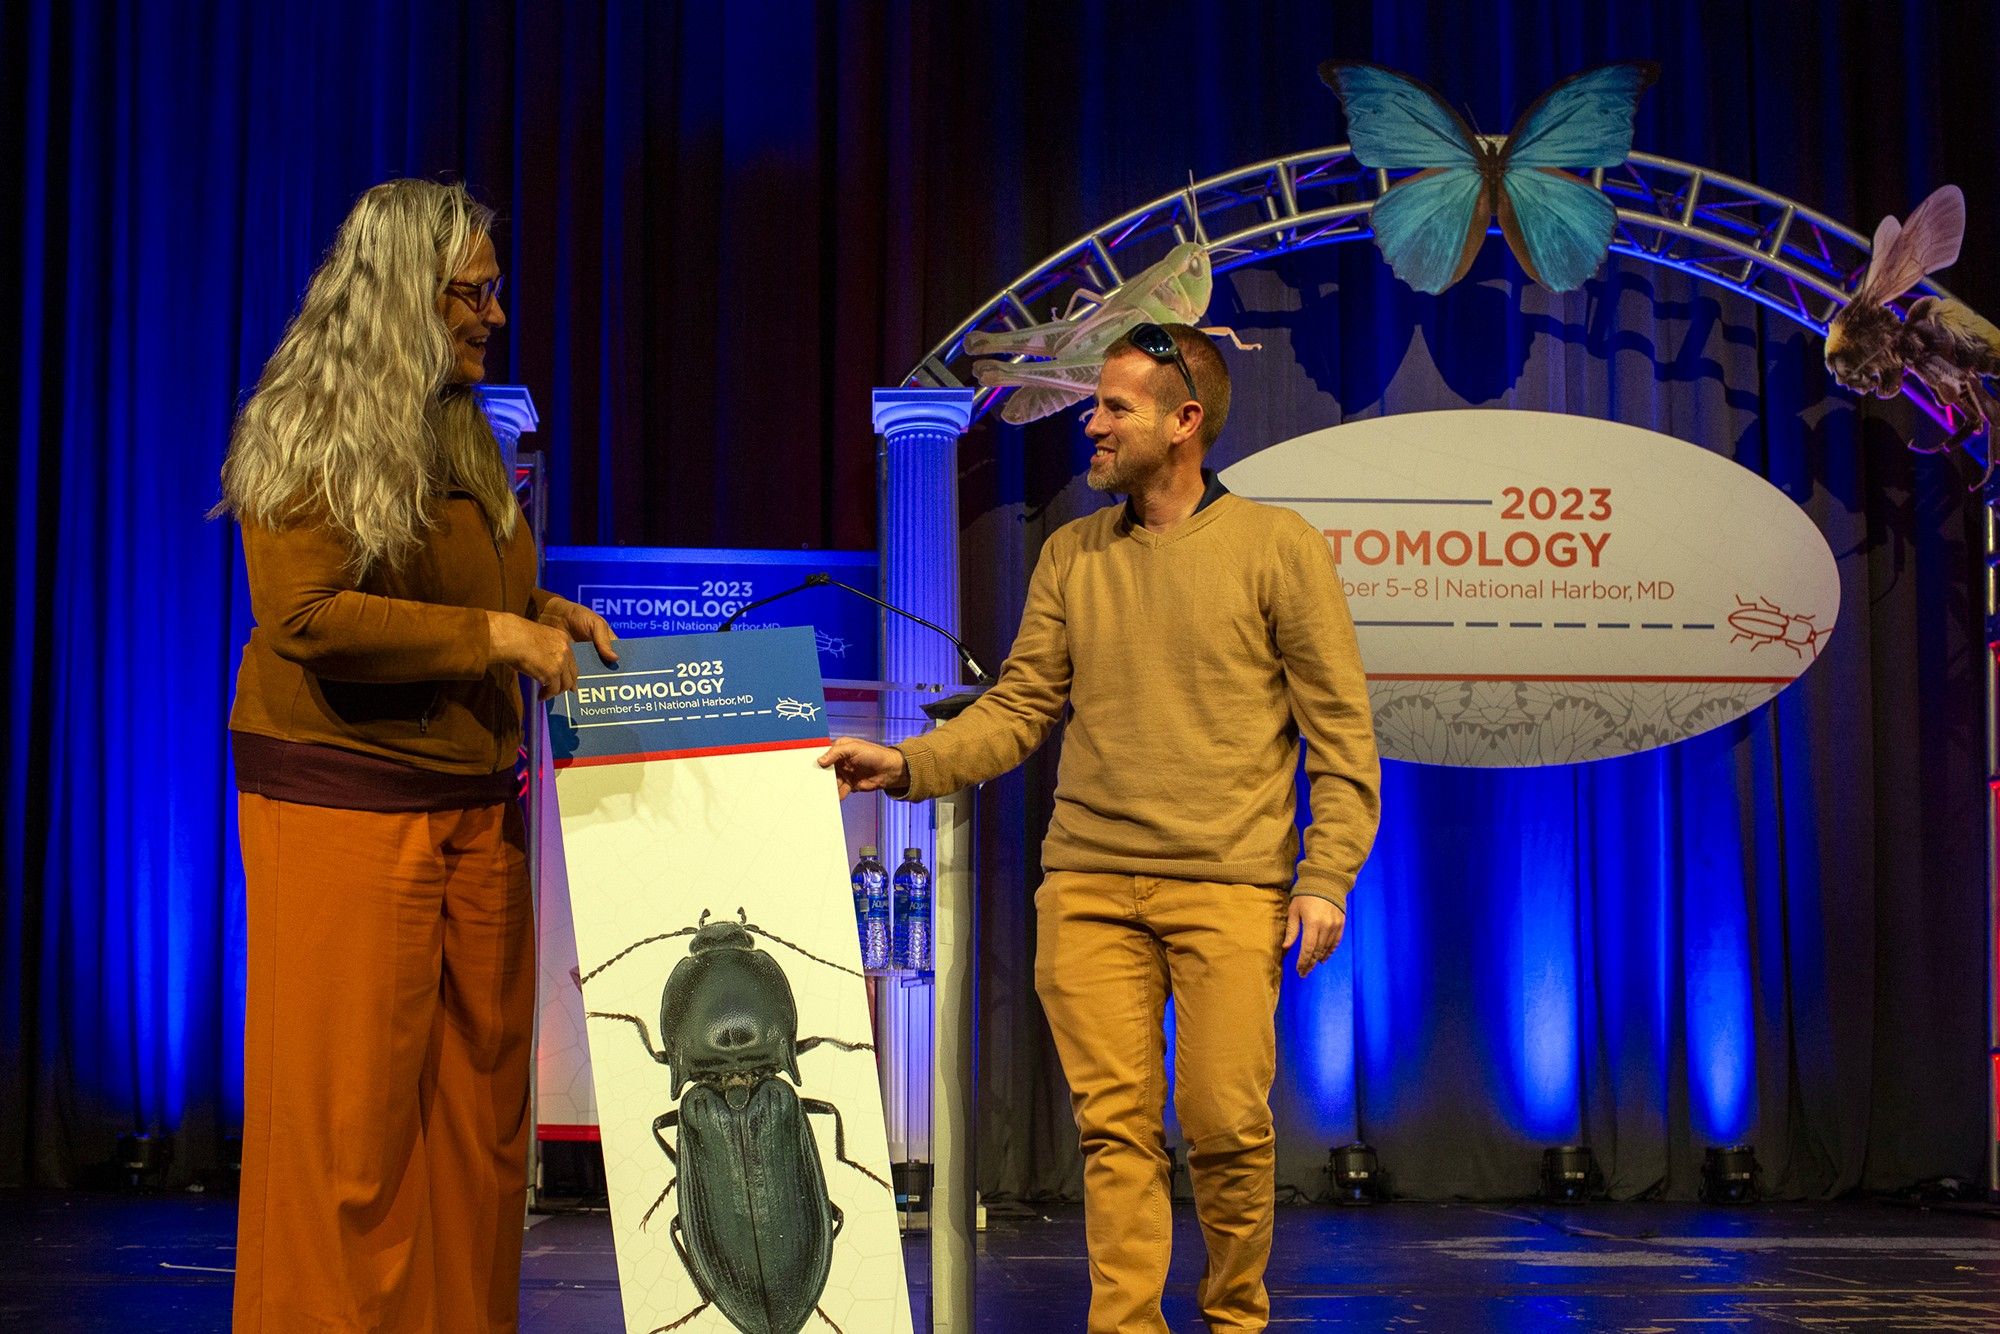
x,y
913,912
871,908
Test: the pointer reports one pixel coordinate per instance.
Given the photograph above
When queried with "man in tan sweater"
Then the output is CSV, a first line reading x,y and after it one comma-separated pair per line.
x,y
1195,637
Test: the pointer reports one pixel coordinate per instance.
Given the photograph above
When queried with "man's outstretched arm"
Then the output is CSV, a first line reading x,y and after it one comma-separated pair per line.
x,y
996,733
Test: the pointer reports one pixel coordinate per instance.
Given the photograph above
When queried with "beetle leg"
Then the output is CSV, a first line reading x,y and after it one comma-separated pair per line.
x,y
824,1316
645,1034
807,1044
660,1123
662,1329
840,1139
808,953
687,1262
647,1217
649,940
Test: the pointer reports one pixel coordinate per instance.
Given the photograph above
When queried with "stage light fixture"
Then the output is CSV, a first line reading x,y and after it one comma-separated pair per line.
x,y
226,1177
1180,1178
1354,1175
143,1160
1729,1176
1570,1175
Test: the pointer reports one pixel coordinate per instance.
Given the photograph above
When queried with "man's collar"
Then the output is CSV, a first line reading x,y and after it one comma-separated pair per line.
x,y
1212,491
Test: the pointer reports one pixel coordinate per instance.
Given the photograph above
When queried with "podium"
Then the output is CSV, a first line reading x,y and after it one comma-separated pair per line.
x,y
954,1184
888,712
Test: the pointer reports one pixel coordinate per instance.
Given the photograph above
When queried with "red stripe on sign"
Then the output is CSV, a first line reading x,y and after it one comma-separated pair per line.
x,y
1652,680
570,1134
695,754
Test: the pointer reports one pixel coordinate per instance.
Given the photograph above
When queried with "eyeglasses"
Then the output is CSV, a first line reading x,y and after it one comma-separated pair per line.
x,y
1158,344
478,296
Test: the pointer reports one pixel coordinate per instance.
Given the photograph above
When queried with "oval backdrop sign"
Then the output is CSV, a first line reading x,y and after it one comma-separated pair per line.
x,y
1531,588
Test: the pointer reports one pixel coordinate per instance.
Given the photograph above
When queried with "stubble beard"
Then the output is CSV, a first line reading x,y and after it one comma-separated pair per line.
x,y
1120,476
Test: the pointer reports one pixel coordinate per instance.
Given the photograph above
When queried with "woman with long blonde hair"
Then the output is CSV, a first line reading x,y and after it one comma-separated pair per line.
x,y
391,988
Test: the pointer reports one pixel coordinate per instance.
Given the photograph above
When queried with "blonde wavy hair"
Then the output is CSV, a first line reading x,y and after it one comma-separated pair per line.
x,y
354,421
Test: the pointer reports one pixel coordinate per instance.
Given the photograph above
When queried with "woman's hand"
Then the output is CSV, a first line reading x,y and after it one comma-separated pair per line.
x,y
581,624
533,649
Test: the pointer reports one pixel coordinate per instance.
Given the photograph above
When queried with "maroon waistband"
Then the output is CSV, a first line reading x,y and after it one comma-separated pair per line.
x,y
311,775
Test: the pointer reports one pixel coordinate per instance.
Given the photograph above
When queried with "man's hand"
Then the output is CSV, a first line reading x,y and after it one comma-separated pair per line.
x,y
863,766
581,624
1315,923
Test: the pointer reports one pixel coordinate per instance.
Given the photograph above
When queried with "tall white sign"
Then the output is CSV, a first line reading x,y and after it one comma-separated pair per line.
x,y
735,1082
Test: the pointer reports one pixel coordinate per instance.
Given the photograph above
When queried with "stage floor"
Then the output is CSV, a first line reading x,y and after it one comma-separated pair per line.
x,y
161,1264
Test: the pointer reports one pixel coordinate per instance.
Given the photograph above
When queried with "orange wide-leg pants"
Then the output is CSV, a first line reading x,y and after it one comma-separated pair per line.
x,y
387,1035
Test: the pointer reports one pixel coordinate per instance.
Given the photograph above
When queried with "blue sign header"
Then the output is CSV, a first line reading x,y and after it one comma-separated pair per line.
x,y
691,694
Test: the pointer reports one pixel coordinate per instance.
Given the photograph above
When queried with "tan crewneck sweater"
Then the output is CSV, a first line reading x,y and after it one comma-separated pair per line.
x,y
1193,662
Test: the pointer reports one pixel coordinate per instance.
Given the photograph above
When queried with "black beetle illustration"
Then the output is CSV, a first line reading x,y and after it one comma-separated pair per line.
x,y
756,1226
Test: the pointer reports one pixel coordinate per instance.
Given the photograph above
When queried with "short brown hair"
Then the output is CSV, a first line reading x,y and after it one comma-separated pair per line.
x,y
1209,371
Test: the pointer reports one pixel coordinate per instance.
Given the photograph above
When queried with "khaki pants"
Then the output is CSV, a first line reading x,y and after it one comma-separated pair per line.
x,y
1110,949
385,1067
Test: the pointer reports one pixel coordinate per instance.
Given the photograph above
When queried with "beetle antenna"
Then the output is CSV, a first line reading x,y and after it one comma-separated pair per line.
x,y
808,953
702,920
649,940
742,918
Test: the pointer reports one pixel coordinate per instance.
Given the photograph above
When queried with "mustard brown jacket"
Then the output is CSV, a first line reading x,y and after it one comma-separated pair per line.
x,y
398,665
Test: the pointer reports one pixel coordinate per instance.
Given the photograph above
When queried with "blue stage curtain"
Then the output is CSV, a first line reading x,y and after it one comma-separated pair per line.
x,y
723,225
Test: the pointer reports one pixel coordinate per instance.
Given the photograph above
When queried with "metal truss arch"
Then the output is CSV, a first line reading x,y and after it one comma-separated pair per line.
x,y
1728,232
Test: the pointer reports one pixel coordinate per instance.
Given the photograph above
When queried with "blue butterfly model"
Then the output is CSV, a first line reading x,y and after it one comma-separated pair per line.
x,y
1430,225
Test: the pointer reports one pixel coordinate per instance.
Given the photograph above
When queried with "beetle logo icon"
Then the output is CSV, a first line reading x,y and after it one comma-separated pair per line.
x,y
1764,622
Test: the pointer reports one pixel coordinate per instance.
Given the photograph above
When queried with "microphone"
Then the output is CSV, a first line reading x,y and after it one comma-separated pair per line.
x,y
979,674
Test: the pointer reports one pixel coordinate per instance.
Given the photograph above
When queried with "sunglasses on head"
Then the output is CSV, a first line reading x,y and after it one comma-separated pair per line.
x,y
1158,344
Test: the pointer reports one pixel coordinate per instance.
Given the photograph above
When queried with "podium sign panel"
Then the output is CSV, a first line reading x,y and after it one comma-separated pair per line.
x,y
689,590
737,1098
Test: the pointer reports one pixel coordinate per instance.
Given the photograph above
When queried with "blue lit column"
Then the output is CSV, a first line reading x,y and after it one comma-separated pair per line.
x,y
919,526
510,411
918,470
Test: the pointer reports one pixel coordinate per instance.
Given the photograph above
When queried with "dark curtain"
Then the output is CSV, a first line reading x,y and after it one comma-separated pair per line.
x,y
723,225
1772,934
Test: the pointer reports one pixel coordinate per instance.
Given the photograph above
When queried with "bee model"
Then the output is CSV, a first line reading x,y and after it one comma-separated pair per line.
x,y
1944,343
